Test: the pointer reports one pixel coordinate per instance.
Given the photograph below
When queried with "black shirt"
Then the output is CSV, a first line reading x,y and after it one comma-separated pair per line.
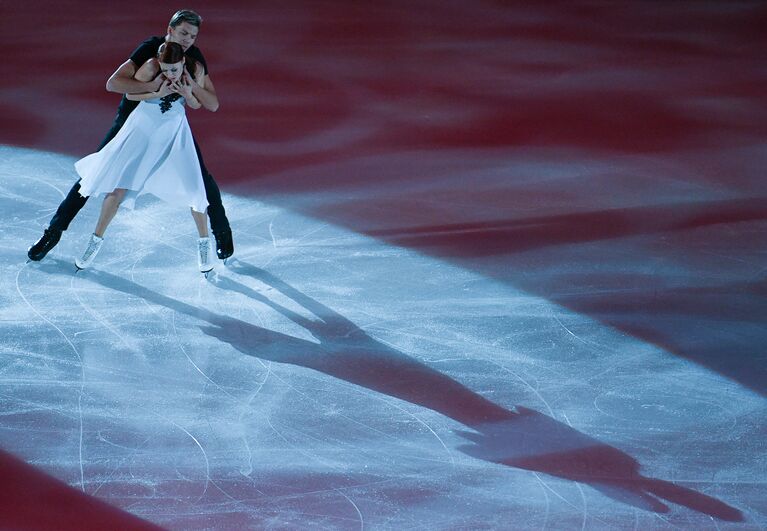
x,y
143,53
148,49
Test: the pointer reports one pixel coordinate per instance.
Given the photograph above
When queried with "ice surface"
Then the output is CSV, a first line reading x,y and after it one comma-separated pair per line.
x,y
328,379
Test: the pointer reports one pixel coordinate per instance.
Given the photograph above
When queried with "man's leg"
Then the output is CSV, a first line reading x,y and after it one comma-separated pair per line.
x,y
68,209
219,224
60,221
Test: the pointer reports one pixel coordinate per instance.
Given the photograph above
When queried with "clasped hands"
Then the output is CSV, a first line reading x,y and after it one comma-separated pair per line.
x,y
183,86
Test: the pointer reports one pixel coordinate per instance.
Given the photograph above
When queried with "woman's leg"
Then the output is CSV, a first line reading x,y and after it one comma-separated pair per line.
x,y
203,244
108,210
201,220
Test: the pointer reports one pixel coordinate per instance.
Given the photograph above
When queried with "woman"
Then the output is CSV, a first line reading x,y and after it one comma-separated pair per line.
x,y
153,153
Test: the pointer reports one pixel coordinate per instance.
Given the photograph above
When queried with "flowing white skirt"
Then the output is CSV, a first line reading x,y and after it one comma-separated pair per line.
x,y
153,153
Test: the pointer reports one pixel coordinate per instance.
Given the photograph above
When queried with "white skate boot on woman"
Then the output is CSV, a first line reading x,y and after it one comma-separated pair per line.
x,y
94,246
203,256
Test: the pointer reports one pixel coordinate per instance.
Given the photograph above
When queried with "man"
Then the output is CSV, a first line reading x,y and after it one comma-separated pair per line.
x,y
182,29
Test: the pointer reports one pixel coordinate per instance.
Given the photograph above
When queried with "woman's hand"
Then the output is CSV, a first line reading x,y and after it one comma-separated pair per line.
x,y
190,78
155,84
184,86
166,88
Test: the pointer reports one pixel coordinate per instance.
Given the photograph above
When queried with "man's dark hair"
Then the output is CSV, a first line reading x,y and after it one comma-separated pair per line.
x,y
185,15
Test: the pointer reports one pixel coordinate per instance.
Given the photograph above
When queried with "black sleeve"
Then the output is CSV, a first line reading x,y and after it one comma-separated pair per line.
x,y
145,51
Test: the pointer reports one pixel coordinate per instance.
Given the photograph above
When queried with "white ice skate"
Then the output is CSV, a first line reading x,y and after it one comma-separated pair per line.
x,y
203,255
94,245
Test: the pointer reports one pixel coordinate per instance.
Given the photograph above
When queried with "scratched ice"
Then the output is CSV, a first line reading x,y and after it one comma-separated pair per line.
x,y
329,379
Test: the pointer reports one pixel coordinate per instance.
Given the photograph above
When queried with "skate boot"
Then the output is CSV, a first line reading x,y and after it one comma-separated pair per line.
x,y
203,255
224,244
47,241
94,245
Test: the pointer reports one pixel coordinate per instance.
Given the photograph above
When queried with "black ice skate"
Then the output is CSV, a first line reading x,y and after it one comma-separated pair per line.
x,y
224,244
47,241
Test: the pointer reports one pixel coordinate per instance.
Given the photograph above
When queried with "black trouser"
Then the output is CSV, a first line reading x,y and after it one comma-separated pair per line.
x,y
73,202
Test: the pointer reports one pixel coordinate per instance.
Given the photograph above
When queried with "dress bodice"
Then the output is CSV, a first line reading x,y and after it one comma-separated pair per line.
x,y
166,102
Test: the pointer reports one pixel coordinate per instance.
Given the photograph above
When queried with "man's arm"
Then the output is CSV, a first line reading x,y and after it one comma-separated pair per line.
x,y
123,81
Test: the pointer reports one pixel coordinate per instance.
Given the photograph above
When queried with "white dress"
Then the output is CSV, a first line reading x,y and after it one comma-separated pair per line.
x,y
152,153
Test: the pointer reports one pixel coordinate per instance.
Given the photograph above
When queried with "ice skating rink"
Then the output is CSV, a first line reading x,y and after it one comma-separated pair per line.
x,y
498,266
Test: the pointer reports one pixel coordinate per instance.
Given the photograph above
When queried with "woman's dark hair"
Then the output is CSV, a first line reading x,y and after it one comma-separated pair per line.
x,y
172,53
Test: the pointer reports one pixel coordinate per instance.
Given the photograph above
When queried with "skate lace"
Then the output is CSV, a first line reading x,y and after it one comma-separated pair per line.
x,y
92,245
203,250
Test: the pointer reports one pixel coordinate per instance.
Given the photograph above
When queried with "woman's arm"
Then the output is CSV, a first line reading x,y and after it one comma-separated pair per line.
x,y
203,89
184,87
150,71
123,80
166,88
